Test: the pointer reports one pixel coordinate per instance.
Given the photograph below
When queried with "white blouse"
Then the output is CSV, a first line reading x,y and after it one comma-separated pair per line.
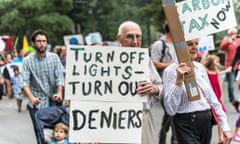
x,y
176,99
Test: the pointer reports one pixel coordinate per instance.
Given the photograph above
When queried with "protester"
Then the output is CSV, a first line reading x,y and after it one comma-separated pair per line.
x,y
20,56
130,35
42,75
192,119
16,82
62,55
229,44
163,54
211,64
5,72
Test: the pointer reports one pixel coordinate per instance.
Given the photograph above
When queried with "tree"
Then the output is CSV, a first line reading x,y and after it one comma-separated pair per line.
x,y
20,18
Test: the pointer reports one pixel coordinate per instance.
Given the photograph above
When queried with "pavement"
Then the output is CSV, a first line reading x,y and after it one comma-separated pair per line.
x,y
16,128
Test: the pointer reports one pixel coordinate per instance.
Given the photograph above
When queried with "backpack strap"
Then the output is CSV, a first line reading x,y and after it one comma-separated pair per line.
x,y
164,46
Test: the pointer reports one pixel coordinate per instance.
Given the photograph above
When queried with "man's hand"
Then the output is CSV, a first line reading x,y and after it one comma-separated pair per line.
x,y
147,88
35,101
57,97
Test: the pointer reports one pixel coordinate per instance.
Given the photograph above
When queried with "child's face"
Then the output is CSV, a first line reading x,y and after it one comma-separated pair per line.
x,y
59,134
16,72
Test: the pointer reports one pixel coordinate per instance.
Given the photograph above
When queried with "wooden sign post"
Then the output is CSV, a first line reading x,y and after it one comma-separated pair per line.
x,y
180,45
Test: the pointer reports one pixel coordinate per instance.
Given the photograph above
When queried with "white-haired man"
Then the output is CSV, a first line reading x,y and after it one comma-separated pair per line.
x,y
130,35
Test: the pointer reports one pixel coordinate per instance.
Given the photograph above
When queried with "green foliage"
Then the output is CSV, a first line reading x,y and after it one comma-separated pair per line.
x,y
57,17
22,17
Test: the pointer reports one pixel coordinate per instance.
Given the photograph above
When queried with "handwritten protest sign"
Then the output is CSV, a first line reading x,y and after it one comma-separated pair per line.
x,y
105,73
203,17
106,122
101,83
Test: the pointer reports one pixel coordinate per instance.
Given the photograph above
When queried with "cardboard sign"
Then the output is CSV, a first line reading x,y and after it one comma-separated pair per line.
x,y
105,122
180,45
105,73
101,84
203,17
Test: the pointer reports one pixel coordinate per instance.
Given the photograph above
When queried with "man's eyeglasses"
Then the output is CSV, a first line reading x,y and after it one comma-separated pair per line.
x,y
131,37
39,41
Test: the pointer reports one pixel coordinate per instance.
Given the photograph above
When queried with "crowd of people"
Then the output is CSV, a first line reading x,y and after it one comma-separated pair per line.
x,y
40,76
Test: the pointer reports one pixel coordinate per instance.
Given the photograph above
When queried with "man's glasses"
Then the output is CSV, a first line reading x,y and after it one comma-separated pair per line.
x,y
131,37
39,41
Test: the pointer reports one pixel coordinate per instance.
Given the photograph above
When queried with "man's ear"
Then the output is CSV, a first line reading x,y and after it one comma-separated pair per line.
x,y
118,37
33,44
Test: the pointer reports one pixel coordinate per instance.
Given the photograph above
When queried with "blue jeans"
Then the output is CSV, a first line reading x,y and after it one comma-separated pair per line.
x,y
230,80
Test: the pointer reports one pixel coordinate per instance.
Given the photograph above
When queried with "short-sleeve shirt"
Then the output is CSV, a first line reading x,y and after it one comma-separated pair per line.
x,y
42,76
157,52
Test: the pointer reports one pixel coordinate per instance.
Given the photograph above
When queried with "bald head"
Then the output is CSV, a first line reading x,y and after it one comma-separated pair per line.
x,y
127,24
129,34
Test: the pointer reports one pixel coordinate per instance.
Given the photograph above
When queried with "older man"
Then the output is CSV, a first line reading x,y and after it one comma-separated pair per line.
x,y
130,35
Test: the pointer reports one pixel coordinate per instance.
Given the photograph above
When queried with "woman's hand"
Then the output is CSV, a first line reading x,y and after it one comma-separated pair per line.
x,y
182,69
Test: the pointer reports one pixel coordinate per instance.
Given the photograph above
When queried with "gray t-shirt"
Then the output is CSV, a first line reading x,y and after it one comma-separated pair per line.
x,y
157,54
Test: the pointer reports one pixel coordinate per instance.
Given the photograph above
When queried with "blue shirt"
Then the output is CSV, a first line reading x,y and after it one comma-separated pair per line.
x,y
17,84
65,142
42,76
17,59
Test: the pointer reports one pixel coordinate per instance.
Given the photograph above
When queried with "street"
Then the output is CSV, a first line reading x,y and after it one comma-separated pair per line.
x,y
16,128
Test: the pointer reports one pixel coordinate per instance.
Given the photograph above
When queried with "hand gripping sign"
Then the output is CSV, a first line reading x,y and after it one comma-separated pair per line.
x,y
180,45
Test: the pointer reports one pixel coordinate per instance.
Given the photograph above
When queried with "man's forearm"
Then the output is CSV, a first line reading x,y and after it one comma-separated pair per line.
x,y
28,92
161,65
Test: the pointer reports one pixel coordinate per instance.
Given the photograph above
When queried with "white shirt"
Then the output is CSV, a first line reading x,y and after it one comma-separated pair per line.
x,y
155,79
176,99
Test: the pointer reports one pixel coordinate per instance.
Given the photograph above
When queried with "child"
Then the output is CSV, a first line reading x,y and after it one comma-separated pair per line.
x,y
211,62
60,134
17,88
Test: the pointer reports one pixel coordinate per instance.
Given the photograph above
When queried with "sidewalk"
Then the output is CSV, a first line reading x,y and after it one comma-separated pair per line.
x,y
16,128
